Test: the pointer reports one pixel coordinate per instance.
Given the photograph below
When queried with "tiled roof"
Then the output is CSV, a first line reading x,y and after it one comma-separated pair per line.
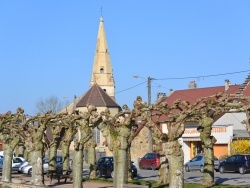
x,y
191,95
96,96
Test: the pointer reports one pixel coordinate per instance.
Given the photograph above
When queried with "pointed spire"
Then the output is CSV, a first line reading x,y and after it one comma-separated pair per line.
x,y
102,73
101,45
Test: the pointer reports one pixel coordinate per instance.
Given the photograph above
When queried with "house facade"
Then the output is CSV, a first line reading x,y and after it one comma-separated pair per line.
x,y
226,127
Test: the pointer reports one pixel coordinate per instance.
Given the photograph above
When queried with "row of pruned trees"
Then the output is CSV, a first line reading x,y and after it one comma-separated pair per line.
x,y
119,131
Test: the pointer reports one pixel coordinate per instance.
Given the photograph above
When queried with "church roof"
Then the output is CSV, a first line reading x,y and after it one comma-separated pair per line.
x,y
96,96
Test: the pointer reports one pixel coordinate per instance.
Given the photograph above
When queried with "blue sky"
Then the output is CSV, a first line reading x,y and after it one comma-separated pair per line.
x,y
47,47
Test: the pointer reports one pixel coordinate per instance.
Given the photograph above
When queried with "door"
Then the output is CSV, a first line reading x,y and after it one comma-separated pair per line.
x,y
16,163
229,164
195,163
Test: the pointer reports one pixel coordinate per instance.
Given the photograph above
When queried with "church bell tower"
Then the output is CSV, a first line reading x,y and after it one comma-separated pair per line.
x,y
102,72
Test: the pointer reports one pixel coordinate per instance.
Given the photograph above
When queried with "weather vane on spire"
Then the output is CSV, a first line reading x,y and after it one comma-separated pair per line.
x,y
101,11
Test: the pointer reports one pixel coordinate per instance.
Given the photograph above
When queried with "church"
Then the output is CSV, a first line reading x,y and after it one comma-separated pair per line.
x,y
102,94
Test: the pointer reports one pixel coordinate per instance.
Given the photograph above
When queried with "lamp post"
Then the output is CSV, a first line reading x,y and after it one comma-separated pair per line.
x,y
150,139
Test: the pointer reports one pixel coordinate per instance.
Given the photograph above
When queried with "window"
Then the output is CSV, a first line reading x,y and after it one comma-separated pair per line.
x,y
102,70
96,135
17,160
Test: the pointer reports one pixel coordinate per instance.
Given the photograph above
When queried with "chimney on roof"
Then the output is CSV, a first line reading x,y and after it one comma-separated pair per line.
x,y
171,91
227,84
160,95
192,85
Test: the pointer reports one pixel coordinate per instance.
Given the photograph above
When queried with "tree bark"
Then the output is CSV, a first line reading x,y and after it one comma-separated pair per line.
x,y
78,167
163,172
91,144
52,155
65,155
7,164
120,168
38,170
207,142
175,159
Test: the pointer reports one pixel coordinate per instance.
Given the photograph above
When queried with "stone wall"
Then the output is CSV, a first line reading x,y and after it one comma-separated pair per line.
x,y
140,146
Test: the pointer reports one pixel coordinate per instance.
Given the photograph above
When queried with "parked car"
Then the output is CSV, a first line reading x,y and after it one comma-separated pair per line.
x,y
197,163
105,167
27,169
150,161
16,162
236,163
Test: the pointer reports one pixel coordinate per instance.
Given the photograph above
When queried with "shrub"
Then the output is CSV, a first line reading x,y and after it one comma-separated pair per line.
x,y
240,147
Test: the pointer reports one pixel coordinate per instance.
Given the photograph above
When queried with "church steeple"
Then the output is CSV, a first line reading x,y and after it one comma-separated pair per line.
x,y
102,72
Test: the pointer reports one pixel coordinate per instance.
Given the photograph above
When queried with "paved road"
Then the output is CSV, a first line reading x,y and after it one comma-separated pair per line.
x,y
189,177
196,177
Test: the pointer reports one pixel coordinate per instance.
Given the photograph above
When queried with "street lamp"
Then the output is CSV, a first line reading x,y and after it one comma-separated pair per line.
x,y
150,139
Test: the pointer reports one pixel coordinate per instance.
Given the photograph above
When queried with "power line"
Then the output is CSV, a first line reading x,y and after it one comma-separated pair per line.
x,y
212,75
183,78
131,87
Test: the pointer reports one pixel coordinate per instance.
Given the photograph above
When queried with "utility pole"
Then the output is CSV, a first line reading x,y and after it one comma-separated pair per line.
x,y
150,138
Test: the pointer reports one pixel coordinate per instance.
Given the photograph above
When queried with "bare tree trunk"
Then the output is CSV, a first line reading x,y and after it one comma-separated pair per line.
x,y
7,164
163,170
52,156
37,168
120,168
175,159
207,143
78,167
20,150
130,176
65,155
26,154
91,144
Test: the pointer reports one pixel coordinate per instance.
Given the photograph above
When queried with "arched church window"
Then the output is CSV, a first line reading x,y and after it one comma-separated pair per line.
x,y
102,70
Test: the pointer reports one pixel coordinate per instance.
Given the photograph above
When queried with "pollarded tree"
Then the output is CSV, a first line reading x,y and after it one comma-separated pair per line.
x,y
10,127
86,123
54,134
35,134
175,117
205,110
69,132
160,141
119,131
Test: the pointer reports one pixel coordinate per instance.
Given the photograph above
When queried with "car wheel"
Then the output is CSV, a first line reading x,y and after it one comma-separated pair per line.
x,y
98,174
153,167
30,172
187,168
221,169
242,170
112,174
202,169
140,166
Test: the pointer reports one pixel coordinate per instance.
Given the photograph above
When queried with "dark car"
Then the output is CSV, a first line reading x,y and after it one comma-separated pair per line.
x,y
105,167
236,163
197,163
150,161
